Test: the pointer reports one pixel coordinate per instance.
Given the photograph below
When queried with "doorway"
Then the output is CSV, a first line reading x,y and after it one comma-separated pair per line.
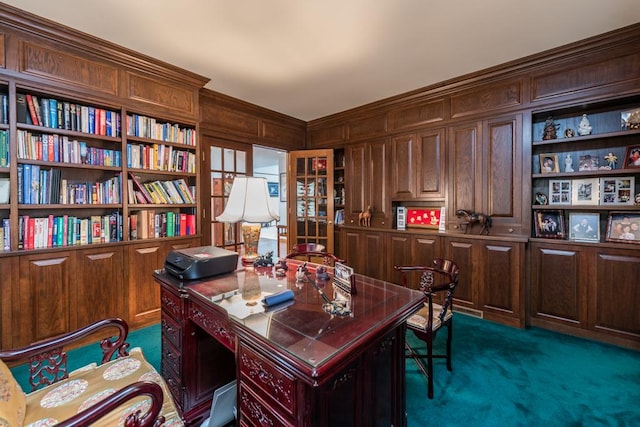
x,y
271,164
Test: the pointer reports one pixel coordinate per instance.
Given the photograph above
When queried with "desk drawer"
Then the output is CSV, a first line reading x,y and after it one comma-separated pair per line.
x,y
214,324
174,384
171,330
275,383
257,412
171,355
171,303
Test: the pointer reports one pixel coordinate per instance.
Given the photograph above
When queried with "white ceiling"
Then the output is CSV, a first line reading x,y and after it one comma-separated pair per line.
x,y
309,59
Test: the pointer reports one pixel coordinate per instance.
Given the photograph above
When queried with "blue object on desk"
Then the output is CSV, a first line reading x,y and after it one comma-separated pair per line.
x,y
278,298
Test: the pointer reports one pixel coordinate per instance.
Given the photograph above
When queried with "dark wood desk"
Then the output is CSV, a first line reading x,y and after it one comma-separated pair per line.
x,y
296,366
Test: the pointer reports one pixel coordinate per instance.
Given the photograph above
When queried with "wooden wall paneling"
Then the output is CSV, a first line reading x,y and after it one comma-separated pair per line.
x,y
353,251
487,97
403,166
356,170
3,61
9,267
377,184
98,286
171,98
43,297
325,136
365,127
614,295
558,298
373,266
418,114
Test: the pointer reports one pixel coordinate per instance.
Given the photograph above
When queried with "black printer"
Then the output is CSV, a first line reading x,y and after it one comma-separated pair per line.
x,y
200,262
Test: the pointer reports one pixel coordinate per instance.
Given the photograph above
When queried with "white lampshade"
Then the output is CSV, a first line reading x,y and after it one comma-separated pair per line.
x,y
248,201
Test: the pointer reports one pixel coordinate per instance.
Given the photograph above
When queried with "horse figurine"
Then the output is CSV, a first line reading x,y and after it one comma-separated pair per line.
x,y
472,218
364,218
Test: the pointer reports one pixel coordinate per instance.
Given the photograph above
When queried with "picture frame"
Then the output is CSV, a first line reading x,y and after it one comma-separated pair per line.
x,y
424,217
632,157
559,192
549,163
617,190
588,162
274,189
550,224
283,187
584,226
623,227
585,192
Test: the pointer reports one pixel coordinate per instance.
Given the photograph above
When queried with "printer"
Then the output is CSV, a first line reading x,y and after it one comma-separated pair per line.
x,y
200,262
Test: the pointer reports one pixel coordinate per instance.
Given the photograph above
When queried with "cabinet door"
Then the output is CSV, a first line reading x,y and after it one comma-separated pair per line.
x,y
399,254
614,309
98,290
44,299
311,198
365,252
464,253
403,167
430,159
9,276
465,174
377,184
502,293
355,182
143,293
558,284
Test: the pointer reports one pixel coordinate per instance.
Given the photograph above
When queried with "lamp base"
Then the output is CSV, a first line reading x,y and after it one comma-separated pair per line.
x,y
250,237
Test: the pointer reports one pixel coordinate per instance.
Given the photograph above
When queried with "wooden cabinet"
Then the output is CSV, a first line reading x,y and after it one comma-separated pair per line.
x,y
485,172
418,166
491,283
367,178
365,251
595,295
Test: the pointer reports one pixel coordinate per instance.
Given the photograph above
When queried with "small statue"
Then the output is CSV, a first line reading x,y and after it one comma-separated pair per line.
x,y
265,260
364,218
301,273
612,160
550,128
585,127
281,268
568,163
321,273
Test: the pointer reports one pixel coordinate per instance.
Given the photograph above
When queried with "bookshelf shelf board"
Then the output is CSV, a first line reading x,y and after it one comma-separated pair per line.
x,y
69,165
161,205
149,141
71,206
159,172
606,135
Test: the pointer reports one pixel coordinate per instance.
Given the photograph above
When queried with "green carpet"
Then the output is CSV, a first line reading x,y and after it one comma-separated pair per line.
x,y
502,376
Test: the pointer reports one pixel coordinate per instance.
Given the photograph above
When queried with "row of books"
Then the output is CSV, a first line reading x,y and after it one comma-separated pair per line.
x,y
4,149
159,192
148,127
46,186
160,157
66,230
149,224
57,114
61,149
5,235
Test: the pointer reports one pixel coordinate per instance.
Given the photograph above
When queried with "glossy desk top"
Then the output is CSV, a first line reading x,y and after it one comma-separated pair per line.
x,y
302,328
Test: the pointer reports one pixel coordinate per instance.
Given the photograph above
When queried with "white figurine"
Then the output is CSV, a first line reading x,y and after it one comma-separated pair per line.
x,y
585,126
568,163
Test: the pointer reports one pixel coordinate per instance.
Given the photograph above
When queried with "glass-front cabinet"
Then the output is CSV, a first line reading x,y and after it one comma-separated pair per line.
x,y
312,198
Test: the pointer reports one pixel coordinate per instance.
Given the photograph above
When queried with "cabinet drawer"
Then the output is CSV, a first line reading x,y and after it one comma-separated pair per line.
x,y
274,382
171,303
171,330
174,384
258,412
171,355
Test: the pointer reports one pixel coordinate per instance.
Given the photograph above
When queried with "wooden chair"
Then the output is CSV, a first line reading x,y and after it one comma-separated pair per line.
x,y
441,278
124,391
326,257
308,247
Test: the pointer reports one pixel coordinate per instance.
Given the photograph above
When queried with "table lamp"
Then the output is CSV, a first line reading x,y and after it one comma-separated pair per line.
x,y
249,202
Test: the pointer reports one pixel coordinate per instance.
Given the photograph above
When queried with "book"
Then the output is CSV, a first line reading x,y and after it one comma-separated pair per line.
x,y
21,108
141,188
32,109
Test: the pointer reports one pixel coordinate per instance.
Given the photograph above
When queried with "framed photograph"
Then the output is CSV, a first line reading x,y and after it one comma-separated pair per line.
x,y
342,276
283,187
631,119
274,190
617,190
560,192
585,191
632,157
549,163
588,163
584,226
424,217
550,224
623,227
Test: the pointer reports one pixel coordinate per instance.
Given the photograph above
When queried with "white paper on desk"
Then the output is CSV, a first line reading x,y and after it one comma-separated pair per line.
x,y
238,308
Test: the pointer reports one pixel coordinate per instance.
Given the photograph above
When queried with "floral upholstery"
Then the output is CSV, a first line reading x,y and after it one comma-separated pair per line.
x,y
12,399
420,319
86,386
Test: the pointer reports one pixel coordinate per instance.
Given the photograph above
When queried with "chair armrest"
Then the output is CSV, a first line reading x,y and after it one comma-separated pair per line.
x,y
48,360
326,256
105,406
